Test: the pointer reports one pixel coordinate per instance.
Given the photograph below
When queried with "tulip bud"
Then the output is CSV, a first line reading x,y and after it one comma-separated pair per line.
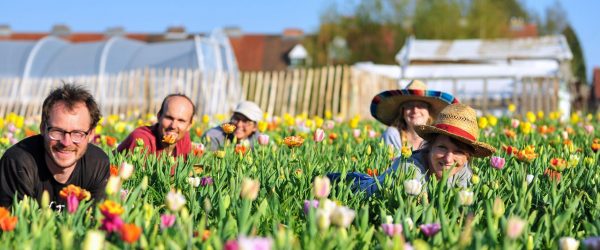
x,y
323,221
529,178
515,123
515,227
497,162
465,197
263,139
321,187
319,135
94,239
356,133
498,208
568,243
412,187
249,189
126,170
175,200
113,185
475,179
342,216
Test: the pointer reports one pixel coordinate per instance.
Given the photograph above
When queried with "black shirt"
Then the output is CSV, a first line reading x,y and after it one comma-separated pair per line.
x,y
23,171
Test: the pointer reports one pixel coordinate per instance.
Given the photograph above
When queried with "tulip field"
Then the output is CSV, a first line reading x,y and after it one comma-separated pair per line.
x,y
540,190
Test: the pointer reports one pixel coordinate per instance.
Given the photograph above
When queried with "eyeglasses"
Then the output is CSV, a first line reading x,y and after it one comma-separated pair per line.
x,y
59,134
239,117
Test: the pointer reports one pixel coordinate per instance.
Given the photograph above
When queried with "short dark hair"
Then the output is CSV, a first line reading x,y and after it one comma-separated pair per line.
x,y
71,94
162,105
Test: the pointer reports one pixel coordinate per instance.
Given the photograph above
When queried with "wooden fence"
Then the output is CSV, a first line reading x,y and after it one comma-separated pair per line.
x,y
339,89
347,91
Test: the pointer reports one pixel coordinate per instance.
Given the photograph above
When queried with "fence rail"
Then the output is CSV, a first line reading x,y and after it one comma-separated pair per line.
x,y
339,89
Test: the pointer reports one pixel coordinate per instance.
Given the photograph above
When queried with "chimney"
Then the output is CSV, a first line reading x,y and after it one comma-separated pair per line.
x,y
60,30
293,33
176,33
5,30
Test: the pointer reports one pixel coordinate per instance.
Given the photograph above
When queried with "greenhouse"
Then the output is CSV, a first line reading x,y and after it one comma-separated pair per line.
x,y
122,72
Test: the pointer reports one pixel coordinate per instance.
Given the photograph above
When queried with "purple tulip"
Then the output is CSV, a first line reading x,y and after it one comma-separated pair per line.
x,y
310,203
430,230
167,221
592,243
497,162
206,181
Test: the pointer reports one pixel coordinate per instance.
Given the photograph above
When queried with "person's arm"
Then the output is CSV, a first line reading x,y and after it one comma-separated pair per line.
x,y
216,138
391,136
130,142
16,178
99,171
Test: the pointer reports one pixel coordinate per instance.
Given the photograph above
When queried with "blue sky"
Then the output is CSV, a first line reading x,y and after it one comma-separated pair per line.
x,y
264,16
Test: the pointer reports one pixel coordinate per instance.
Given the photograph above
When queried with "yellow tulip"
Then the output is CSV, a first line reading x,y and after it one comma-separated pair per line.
x,y
512,107
531,117
483,122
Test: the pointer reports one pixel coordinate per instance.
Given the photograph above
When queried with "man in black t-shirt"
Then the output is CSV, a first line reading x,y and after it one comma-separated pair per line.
x,y
60,155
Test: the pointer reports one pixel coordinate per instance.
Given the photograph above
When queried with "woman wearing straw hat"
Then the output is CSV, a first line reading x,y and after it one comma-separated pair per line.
x,y
406,108
450,143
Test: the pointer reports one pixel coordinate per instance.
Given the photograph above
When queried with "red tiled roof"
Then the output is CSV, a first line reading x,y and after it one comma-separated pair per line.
x,y
249,51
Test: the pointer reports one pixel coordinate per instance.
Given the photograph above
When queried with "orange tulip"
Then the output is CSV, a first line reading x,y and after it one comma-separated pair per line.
x,y
228,128
8,223
241,149
111,209
114,170
4,212
110,141
130,233
372,171
293,141
553,175
170,138
80,193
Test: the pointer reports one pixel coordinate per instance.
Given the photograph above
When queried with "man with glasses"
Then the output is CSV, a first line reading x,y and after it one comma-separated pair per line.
x,y
170,134
245,119
60,155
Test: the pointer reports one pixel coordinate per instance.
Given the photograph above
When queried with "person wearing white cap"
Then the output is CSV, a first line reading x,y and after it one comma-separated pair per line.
x,y
245,119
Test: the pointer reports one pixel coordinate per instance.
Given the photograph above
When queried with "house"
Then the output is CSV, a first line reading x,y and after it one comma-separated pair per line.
x,y
531,72
256,52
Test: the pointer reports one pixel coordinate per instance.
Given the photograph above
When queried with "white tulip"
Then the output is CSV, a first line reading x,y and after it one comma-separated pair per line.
x,y
412,187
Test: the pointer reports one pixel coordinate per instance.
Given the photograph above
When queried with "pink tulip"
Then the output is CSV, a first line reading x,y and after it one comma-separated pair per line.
x,y
372,134
111,224
72,203
497,162
329,124
319,135
392,229
589,128
321,187
515,227
263,139
356,133
515,123
167,221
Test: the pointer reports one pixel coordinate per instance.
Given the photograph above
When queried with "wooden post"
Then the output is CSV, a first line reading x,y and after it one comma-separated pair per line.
x,y
344,93
308,91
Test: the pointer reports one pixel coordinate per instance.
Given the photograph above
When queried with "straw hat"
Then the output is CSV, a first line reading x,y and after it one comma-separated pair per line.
x,y
458,121
386,105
